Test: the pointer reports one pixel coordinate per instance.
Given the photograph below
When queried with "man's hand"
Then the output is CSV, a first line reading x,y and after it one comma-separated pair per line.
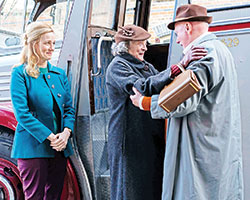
x,y
62,140
195,53
136,97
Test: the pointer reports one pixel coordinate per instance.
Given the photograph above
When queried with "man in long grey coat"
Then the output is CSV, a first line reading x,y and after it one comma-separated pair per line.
x,y
203,159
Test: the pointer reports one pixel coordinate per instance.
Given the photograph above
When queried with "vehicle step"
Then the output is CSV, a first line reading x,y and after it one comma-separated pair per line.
x,y
5,74
4,88
5,81
5,99
5,94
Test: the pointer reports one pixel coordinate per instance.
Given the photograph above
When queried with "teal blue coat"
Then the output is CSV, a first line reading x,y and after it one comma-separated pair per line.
x,y
33,105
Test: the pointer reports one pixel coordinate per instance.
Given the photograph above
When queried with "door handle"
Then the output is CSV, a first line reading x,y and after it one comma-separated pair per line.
x,y
99,67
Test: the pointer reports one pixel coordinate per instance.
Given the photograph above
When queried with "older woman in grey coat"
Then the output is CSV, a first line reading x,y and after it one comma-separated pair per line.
x,y
136,142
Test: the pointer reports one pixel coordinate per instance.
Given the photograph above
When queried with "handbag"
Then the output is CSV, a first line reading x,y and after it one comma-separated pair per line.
x,y
179,90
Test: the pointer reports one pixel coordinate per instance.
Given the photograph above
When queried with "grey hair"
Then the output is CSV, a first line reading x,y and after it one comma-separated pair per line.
x,y
121,47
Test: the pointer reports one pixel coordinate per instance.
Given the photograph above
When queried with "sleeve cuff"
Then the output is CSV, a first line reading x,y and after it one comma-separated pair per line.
x,y
156,111
145,103
140,103
176,70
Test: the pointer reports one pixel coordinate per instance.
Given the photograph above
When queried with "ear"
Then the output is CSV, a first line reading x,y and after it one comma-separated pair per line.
x,y
188,27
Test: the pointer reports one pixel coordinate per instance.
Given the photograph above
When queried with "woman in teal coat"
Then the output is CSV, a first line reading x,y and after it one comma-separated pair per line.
x,y
42,105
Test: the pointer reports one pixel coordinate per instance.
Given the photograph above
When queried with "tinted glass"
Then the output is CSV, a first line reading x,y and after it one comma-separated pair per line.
x,y
57,15
161,13
14,15
130,12
220,4
103,13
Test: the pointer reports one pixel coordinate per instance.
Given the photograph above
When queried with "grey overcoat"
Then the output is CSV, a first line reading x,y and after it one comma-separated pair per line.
x,y
136,142
203,159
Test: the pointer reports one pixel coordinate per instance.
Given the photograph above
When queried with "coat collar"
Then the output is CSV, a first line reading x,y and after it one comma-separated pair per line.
x,y
207,37
52,68
203,38
131,59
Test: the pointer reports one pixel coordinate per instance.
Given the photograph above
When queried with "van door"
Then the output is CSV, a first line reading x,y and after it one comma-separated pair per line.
x,y
103,22
85,55
232,26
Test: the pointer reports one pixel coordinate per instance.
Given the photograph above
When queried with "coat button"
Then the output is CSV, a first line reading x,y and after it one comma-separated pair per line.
x,y
146,67
63,105
59,95
53,86
48,76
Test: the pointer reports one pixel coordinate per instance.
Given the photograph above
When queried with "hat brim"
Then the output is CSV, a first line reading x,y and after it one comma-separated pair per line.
x,y
207,19
141,37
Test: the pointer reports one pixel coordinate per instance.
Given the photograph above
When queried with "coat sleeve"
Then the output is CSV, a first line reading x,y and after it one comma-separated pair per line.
x,y
125,78
19,97
69,111
153,84
208,76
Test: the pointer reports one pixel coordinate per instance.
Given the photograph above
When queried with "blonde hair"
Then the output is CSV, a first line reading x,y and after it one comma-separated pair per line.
x,y
33,33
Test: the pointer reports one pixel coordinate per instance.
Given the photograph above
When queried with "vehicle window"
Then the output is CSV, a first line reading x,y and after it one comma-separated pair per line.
x,y
103,13
13,17
220,4
130,12
57,15
161,14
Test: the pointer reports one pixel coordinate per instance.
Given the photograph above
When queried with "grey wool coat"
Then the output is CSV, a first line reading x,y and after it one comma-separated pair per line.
x,y
136,143
203,159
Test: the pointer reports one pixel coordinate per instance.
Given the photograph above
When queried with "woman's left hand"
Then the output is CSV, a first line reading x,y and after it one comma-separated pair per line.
x,y
62,140
136,97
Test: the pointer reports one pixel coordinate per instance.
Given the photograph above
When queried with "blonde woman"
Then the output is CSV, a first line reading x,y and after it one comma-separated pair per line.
x,y
43,108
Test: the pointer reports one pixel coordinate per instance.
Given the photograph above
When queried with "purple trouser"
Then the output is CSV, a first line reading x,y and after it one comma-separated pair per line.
x,y
43,178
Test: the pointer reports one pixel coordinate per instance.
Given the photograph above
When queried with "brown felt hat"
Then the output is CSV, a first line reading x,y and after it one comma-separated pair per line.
x,y
131,32
190,12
